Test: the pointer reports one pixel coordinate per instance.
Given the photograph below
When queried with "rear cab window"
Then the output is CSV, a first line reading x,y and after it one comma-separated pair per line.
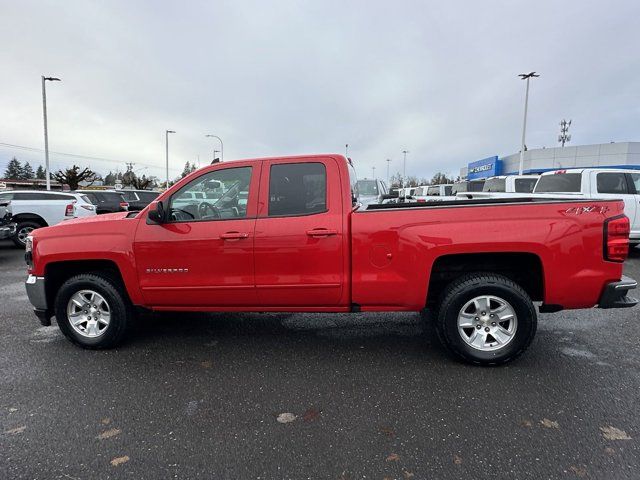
x,y
612,182
495,185
559,183
525,185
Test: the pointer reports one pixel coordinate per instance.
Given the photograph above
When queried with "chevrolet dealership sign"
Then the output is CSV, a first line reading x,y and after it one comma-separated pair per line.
x,y
487,167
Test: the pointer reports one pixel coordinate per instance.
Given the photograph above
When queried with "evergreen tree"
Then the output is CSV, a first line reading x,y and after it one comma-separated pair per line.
x,y
187,170
14,170
40,173
27,172
110,179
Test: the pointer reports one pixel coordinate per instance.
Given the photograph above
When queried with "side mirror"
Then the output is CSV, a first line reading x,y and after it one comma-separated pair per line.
x,y
156,213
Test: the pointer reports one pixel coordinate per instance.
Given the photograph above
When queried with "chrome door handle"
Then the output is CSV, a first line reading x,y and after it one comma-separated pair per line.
x,y
234,236
321,232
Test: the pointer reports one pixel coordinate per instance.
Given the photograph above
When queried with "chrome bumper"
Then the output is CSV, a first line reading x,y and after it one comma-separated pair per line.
x,y
38,297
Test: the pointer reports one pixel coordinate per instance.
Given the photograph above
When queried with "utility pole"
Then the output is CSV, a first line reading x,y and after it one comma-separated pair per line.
x,y
404,174
346,150
166,143
565,136
388,162
527,77
374,172
46,134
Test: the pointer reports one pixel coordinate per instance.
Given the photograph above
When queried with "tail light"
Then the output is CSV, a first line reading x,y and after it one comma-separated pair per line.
x,y
421,200
69,211
124,205
616,238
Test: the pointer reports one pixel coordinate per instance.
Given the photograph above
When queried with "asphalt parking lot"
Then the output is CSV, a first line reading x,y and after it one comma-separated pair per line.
x,y
367,396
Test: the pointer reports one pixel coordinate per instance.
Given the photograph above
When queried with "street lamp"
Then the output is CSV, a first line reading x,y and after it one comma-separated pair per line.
x,y
388,162
221,147
404,174
527,77
46,134
166,143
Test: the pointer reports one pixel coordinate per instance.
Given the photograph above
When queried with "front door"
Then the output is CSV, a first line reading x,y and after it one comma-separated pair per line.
x,y
299,236
203,255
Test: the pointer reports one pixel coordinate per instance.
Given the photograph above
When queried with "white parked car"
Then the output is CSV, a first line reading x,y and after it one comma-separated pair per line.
x,y
597,183
504,186
39,208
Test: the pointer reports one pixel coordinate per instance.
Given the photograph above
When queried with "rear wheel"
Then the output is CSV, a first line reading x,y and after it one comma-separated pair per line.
x,y
486,319
23,229
91,311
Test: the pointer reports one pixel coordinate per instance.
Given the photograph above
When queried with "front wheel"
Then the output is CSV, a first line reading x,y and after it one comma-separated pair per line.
x,y
486,319
91,311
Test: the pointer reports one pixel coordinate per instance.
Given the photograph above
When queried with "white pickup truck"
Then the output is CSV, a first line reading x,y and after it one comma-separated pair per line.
x,y
434,193
503,186
597,184
33,209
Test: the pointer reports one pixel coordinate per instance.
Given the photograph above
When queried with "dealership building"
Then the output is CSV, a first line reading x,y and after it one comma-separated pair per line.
x,y
614,155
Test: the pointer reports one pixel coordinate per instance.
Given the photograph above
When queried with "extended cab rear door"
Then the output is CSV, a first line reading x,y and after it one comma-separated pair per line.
x,y
299,237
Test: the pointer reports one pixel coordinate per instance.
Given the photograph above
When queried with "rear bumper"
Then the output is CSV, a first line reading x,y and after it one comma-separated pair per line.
x,y
614,294
38,297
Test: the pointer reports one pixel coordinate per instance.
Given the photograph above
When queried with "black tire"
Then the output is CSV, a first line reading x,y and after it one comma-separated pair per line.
x,y
121,311
466,288
21,227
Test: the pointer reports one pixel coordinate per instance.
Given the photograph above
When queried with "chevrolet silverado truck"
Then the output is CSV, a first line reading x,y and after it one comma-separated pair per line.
x,y
287,235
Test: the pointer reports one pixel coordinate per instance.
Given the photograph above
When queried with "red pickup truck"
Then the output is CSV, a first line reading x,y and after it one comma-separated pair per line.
x,y
286,235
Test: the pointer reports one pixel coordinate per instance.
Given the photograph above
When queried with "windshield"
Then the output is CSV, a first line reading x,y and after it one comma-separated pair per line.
x,y
559,183
367,187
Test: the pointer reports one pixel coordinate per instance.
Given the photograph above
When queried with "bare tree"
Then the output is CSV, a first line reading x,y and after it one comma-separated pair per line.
x,y
73,176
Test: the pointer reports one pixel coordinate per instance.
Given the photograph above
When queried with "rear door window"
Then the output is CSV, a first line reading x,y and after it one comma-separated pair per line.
x,y
297,189
559,183
612,182
495,185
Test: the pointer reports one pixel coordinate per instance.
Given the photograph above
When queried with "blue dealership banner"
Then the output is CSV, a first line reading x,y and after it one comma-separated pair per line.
x,y
487,167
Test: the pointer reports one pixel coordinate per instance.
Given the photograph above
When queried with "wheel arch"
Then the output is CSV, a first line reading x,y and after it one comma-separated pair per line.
x,y
56,273
524,268
29,217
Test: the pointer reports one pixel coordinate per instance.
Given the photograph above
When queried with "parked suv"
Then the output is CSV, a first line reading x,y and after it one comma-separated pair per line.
x,y
138,199
39,208
106,201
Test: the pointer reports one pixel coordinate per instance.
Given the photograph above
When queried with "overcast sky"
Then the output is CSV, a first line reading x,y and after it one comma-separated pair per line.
x,y
290,77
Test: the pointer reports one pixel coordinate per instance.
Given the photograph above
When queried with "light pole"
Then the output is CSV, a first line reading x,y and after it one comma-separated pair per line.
x,y
527,77
166,143
221,147
214,153
46,134
404,174
374,172
388,162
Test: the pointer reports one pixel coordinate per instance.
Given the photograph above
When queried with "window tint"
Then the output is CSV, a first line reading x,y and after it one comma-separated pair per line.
x,y
612,182
495,185
433,191
559,183
218,195
525,185
635,178
147,196
447,190
298,189
92,198
129,195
